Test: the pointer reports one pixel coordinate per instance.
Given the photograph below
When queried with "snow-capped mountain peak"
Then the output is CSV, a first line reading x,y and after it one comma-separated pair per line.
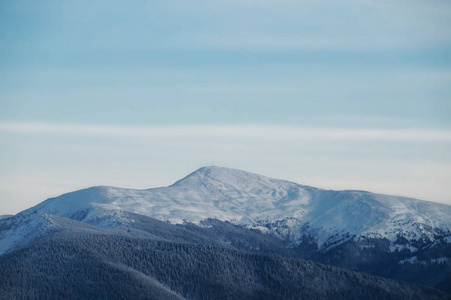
x,y
224,176
285,208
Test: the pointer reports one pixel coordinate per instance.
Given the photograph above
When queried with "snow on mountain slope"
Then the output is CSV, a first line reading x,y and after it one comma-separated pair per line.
x,y
285,208
24,228
210,192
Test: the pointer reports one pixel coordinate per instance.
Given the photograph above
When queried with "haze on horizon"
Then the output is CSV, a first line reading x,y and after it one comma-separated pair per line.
x,y
349,95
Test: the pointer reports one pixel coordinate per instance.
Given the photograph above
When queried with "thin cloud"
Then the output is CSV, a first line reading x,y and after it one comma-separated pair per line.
x,y
250,132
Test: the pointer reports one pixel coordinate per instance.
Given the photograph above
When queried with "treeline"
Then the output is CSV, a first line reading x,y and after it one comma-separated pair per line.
x,y
370,255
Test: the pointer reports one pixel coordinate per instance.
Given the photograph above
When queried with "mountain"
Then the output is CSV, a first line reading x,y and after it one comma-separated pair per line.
x,y
394,237
285,208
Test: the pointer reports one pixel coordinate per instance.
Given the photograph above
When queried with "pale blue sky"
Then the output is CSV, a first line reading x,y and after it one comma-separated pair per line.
x,y
92,68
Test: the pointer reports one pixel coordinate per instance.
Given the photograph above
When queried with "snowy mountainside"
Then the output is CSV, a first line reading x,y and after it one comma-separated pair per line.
x,y
25,228
285,208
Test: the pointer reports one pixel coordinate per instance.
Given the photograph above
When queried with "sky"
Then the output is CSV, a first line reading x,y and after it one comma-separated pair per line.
x,y
351,94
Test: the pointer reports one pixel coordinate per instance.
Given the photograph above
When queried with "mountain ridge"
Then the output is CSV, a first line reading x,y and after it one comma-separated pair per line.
x,y
260,202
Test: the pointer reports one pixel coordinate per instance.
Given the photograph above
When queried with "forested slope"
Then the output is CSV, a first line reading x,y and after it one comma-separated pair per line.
x,y
68,264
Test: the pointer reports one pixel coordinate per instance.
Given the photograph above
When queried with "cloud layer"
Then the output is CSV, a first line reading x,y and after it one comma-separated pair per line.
x,y
248,132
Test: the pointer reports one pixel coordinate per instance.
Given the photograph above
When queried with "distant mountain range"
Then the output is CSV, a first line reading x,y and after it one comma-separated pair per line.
x,y
219,225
